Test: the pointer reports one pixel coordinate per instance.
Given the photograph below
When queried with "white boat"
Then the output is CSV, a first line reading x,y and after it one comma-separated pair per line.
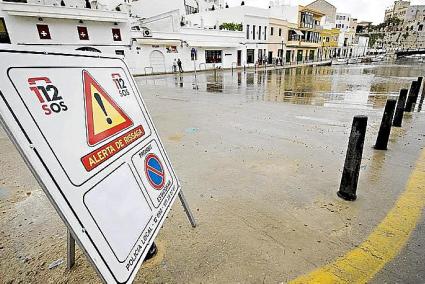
x,y
340,61
378,58
354,60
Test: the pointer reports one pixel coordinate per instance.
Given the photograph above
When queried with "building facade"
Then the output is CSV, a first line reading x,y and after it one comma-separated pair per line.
x,y
49,25
327,9
398,10
278,39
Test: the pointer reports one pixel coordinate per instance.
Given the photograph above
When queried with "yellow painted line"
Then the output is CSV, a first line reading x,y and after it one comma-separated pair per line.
x,y
362,263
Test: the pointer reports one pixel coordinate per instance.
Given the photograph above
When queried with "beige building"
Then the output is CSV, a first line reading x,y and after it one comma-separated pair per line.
x,y
398,10
410,31
327,9
277,39
304,41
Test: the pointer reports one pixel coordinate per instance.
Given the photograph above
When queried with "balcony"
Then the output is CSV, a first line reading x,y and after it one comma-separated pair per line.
x,y
50,9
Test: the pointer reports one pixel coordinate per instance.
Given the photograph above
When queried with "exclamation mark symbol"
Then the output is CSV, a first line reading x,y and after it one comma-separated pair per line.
x,y
100,102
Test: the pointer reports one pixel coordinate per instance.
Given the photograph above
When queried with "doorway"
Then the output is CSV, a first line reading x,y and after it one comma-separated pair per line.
x,y
157,60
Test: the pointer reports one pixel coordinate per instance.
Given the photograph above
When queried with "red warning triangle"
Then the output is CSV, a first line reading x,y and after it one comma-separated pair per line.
x,y
103,116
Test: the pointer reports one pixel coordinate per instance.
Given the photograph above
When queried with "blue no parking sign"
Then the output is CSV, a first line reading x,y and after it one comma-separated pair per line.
x,y
154,171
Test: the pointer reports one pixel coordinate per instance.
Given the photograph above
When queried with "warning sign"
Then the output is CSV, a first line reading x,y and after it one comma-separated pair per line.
x,y
85,131
104,117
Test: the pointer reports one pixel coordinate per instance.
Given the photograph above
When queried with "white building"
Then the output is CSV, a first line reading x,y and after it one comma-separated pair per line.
x,y
254,23
343,22
49,25
165,33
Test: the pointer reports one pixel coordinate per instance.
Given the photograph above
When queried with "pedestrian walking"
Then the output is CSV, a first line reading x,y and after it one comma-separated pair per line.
x,y
179,63
174,66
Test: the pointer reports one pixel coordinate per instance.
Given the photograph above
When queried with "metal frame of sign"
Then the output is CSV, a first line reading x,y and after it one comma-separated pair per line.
x,y
50,181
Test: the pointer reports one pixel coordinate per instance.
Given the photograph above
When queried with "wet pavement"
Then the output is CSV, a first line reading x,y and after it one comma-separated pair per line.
x,y
260,158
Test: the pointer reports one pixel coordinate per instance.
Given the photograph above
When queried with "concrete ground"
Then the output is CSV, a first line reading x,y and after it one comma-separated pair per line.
x,y
261,178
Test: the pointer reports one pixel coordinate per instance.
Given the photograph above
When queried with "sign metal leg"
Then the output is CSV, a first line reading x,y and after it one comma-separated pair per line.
x,y
187,209
70,251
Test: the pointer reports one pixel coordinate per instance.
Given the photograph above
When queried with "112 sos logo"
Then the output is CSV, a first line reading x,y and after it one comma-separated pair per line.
x,y
48,95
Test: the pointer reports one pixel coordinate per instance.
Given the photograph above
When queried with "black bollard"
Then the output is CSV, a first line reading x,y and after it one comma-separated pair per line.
x,y
398,117
385,129
350,174
418,88
412,95
420,79
421,101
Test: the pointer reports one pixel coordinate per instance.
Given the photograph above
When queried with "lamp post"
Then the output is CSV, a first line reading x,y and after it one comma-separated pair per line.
x,y
282,55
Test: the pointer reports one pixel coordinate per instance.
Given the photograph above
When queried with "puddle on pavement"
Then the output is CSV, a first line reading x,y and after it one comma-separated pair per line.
x,y
4,193
365,86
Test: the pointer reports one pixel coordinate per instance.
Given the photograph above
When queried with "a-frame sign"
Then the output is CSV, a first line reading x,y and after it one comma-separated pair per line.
x,y
82,127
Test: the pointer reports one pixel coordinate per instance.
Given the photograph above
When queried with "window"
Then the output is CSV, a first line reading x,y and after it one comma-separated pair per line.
x,y
247,31
253,32
43,31
119,52
116,34
280,32
271,31
307,20
259,32
83,33
213,56
190,7
421,27
250,56
265,33
4,35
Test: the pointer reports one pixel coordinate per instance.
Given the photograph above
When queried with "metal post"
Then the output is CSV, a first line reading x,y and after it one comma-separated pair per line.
x,y
385,129
350,174
70,250
398,117
187,209
412,94
196,77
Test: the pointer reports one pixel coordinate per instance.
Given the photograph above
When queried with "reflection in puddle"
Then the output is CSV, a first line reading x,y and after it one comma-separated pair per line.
x,y
358,86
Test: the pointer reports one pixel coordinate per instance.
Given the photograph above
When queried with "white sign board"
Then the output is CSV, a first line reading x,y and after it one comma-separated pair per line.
x,y
83,128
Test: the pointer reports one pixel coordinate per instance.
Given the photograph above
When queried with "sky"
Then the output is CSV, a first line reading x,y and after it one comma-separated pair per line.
x,y
364,10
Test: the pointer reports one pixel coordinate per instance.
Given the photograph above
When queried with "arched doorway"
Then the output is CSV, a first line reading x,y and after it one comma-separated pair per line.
x,y
157,60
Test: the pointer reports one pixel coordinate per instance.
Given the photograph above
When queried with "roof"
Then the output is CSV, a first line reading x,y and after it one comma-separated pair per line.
x,y
314,11
323,1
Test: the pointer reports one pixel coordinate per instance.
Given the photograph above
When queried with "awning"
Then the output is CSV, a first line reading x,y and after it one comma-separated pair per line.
x,y
154,41
212,44
298,32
